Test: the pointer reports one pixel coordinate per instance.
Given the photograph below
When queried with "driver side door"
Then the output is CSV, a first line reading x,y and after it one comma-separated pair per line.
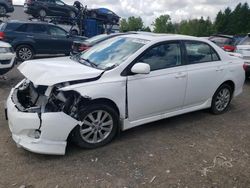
x,y
163,89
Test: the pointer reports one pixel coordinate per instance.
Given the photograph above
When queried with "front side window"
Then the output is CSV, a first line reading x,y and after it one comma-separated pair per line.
x,y
56,31
110,53
200,52
162,56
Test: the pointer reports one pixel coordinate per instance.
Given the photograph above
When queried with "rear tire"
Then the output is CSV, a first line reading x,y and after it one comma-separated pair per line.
x,y
222,99
99,126
24,52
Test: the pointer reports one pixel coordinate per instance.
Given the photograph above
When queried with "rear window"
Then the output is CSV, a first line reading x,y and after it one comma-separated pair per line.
x,y
221,41
245,41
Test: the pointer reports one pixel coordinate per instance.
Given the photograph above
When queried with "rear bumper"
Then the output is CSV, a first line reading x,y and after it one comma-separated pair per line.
x,y
54,129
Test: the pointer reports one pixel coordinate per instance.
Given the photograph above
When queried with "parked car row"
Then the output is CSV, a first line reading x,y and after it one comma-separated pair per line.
x,y
240,45
31,38
123,82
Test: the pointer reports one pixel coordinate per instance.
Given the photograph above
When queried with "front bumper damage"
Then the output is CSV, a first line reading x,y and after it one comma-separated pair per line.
x,y
37,131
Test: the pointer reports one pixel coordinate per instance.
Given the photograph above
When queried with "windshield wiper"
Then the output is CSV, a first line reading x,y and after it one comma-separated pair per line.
x,y
88,61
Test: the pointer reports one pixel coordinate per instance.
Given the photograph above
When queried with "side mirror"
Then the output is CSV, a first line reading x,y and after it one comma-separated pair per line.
x,y
140,68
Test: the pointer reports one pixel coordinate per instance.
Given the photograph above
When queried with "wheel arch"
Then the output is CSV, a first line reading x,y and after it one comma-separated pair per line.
x,y
26,44
230,83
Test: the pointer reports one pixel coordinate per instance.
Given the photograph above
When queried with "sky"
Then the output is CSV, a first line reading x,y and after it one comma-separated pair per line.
x,y
148,10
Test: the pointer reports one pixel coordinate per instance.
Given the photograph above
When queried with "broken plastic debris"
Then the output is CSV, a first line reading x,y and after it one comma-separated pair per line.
x,y
218,160
151,181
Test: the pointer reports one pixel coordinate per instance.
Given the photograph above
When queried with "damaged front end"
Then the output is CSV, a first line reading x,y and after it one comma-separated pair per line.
x,y
42,117
44,99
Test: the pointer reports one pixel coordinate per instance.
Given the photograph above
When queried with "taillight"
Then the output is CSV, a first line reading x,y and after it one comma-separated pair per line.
x,y
83,48
1,35
229,48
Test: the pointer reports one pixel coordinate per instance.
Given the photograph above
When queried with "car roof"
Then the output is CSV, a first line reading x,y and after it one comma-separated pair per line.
x,y
28,22
162,36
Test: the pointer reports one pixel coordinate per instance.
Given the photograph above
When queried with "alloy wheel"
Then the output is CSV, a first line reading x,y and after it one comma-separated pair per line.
x,y
25,53
96,126
223,99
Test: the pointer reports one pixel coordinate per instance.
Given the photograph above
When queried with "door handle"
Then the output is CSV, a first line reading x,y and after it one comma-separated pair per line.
x,y
180,75
219,69
30,36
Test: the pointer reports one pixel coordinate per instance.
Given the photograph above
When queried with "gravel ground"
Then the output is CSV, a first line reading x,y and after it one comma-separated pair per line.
x,y
193,150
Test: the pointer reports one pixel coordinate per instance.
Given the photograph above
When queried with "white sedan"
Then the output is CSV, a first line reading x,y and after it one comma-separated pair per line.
x,y
118,84
7,57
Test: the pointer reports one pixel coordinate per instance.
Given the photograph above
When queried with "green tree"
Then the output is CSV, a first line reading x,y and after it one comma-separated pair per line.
x,y
131,24
163,24
123,25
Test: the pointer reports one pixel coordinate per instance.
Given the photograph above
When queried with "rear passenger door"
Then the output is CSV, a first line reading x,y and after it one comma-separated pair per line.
x,y
205,72
38,35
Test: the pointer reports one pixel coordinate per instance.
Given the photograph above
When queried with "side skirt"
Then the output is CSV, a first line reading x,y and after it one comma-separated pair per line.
x,y
126,124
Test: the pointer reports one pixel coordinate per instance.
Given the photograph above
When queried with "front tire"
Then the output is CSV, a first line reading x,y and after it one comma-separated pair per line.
x,y
222,99
24,52
99,126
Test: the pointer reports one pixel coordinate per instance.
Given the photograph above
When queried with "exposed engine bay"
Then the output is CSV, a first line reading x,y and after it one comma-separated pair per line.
x,y
42,99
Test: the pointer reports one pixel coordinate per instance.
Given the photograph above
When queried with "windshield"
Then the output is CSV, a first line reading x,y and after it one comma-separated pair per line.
x,y
245,41
110,53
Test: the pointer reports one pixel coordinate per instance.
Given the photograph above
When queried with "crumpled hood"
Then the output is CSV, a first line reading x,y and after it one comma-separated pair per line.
x,y
52,71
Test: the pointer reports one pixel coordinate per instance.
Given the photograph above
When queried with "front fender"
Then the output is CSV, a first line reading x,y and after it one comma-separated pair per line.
x,y
114,91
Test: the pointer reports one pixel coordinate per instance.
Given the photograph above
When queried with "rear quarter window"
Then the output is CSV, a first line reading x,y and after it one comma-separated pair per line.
x,y
12,26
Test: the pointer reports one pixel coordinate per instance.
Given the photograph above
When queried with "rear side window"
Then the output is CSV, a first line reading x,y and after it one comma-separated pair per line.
x,y
200,52
33,28
36,28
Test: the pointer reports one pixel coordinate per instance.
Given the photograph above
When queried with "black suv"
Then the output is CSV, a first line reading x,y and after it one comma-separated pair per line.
x,y
43,8
6,6
30,38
